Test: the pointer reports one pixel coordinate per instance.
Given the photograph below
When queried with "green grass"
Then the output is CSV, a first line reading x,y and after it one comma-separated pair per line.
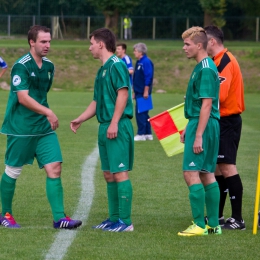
x,y
160,202
75,66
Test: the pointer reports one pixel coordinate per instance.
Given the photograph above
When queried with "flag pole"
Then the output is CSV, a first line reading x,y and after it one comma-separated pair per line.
x,y
257,200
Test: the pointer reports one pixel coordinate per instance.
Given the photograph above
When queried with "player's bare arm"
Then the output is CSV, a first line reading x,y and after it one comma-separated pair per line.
x,y
2,72
203,120
25,100
87,114
122,96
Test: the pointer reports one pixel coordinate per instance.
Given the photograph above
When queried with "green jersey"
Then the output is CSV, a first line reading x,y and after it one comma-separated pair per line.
x,y
111,77
204,83
26,75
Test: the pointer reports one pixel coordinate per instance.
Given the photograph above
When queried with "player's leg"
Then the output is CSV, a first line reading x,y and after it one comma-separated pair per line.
x,y
7,187
20,151
197,202
235,188
223,189
121,155
48,155
225,135
210,150
230,137
212,201
112,190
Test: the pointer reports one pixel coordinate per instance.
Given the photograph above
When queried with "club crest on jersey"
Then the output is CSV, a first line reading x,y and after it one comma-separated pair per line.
x,y
16,80
49,75
104,73
221,79
193,75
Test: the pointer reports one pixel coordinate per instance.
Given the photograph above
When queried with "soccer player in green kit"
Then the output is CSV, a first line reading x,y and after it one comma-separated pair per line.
x,y
112,105
201,136
29,124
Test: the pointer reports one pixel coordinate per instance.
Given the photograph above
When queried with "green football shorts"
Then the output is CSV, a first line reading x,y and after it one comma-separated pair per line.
x,y
117,155
22,150
206,160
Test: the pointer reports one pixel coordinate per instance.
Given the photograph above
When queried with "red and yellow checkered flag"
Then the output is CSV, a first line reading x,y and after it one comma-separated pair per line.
x,y
168,127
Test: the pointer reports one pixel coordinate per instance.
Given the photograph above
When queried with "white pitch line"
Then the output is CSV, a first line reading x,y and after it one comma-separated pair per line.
x,y
65,238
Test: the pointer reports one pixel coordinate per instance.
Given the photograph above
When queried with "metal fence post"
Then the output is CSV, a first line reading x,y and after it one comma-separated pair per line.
x,y
9,25
154,27
187,23
121,28
33,20
83,26
88,27
257,29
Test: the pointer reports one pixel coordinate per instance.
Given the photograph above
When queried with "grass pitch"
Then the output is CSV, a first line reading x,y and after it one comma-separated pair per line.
x,y
160,202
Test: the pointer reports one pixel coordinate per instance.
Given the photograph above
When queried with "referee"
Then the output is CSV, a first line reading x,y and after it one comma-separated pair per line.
x,y
231,106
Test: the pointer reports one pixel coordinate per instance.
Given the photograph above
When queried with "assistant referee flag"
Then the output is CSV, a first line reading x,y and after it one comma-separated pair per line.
x,y
168,127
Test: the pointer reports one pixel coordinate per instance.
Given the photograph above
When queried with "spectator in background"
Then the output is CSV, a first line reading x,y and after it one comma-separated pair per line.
x,y
3,65
127,28
231,105
121,53
142,86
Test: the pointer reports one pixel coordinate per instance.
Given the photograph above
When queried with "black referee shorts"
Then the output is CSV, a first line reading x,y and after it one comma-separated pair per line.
x,y
230,132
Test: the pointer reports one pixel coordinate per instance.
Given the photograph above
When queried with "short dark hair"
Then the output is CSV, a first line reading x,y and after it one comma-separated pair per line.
x,y
215,32
106,36
34,30
123,45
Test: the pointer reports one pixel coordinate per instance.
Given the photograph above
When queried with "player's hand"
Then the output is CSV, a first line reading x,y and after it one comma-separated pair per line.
x,y
197,146
74,125
112,130
182,136
53,119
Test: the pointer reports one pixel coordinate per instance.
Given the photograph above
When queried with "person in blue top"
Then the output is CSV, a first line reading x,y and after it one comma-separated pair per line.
x,y
3,65
121,53
142,86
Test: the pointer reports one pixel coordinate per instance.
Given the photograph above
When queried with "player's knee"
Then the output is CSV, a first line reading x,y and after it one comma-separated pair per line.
x,y
13,172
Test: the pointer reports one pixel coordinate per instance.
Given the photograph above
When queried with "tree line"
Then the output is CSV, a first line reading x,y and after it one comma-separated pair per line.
x,y
214,11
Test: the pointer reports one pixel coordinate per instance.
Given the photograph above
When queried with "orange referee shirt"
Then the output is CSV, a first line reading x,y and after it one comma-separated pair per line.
x,y
231,93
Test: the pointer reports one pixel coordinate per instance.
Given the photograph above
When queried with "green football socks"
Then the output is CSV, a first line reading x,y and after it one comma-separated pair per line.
x,y
212,195
125,194
197,202
7,193
54,192
112,195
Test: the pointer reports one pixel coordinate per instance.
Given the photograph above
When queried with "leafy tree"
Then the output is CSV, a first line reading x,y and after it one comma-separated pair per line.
x,y
3,5
250,8
168,8
112,9
214,12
